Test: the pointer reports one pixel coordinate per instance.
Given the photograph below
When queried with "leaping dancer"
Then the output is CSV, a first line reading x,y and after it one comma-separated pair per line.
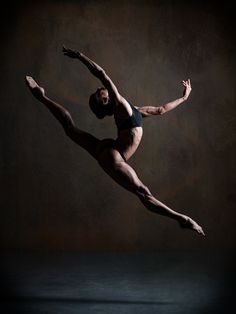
x,y
113,154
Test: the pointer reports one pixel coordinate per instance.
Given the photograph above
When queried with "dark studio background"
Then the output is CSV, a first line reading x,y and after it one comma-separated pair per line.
x,y
54,196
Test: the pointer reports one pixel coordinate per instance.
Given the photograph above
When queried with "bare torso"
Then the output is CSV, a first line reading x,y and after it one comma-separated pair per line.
x,y
127,140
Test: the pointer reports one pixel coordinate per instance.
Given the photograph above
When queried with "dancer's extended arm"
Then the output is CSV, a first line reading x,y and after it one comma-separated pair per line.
x,y
151,110
95,69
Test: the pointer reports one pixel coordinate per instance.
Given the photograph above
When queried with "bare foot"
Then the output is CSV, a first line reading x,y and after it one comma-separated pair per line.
x,y
36,90
189,223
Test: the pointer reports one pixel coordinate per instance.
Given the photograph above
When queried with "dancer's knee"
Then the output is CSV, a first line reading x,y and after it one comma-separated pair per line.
x,y
143,192
68,124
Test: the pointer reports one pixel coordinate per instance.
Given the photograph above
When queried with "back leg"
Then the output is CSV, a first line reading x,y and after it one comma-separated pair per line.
x,y
115,166
83,139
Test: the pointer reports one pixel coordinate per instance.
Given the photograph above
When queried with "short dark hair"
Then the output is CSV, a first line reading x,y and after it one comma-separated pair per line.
x,y
98,109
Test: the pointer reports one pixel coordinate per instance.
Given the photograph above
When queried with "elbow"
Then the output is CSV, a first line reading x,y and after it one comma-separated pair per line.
x,y
162,110
101,72
98,72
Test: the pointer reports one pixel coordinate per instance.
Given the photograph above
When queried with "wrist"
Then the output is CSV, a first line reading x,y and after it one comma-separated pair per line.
x,y
185,97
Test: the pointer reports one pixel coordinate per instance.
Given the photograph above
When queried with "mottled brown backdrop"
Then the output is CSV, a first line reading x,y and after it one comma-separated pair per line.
x,y
53,194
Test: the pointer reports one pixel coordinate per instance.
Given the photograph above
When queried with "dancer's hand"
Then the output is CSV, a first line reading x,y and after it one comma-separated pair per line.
x,y
187,88
71,53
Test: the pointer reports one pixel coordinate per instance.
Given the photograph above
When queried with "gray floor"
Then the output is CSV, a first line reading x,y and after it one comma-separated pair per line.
x,y
117,283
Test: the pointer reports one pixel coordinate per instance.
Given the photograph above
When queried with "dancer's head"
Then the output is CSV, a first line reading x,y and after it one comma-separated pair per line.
x,y
99,103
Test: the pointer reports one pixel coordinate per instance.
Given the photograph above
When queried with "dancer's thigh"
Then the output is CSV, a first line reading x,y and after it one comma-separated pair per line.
x,y
117,168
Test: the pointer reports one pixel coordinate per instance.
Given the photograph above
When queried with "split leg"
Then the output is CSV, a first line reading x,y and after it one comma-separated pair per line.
x,y
115,166
83,139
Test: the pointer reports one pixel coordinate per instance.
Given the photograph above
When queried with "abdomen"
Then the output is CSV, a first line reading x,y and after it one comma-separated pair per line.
x,y
128,141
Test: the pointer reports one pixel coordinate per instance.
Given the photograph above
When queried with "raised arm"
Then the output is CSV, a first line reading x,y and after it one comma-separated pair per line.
x,y
147,111
95,69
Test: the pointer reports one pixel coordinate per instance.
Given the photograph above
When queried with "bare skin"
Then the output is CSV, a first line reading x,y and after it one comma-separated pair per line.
x,y
112,155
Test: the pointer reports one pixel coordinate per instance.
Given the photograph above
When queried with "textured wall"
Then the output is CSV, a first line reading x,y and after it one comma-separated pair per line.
x,y
53,194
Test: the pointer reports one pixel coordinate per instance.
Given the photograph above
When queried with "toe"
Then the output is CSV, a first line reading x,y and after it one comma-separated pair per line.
x,y
201,231
31,82
27,78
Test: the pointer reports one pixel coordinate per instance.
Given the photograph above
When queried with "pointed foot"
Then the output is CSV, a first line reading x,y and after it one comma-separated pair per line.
x,y
36,90
189,223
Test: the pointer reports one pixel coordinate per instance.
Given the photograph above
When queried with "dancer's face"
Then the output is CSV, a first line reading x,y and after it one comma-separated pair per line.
x,y
103,97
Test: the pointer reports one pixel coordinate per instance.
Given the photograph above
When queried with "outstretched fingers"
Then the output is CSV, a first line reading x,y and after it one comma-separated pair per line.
x,y
186,83
70,52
